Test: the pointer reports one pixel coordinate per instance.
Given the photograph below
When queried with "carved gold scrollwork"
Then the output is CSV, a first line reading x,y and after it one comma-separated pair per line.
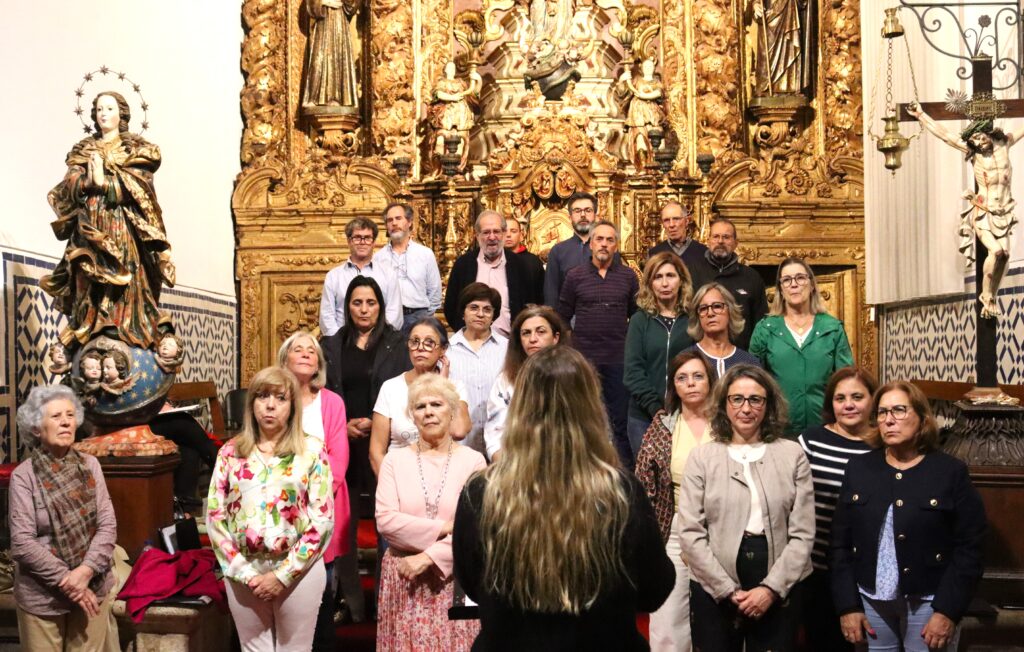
x,y
675,64
306,306
716,48
394,104
841,61
262,99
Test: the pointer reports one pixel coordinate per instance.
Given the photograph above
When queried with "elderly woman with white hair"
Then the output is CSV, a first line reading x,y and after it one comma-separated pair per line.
x,y
417,493
324,418
62,532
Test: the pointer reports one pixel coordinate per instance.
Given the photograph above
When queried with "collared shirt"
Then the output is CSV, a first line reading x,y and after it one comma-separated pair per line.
x,y
477,369
563,257
679,248
419,280
602,307
495,274
332,301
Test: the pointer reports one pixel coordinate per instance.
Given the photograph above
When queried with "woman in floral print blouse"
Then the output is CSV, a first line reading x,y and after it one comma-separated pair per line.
x,y
270,516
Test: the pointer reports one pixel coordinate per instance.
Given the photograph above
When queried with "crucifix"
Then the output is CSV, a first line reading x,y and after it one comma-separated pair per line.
x,y
987,222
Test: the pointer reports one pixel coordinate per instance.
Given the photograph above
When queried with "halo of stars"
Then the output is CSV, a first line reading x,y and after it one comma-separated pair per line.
x,y
104,71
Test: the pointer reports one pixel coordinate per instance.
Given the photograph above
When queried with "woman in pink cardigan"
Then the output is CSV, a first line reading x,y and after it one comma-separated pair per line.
x,y
323,417
417,492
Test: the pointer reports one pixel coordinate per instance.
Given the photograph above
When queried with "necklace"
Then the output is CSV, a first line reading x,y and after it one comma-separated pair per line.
x,y
433,507
797,327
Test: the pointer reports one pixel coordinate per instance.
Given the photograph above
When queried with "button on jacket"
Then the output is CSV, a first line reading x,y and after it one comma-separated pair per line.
x,y
938,527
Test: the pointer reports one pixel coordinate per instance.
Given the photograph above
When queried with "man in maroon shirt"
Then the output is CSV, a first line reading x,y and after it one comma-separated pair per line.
x,y
597,299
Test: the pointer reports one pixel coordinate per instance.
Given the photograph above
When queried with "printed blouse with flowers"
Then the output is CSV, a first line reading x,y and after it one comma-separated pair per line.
x,y
270,513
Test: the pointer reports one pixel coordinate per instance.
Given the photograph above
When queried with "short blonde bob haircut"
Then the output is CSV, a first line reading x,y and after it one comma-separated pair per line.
x,y
433,385
319,379
736,321
267,381
646,300
778,306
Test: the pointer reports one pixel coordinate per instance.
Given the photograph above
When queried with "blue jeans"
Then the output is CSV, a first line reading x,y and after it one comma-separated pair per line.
x,y
616,402
635,430
899,622
410,319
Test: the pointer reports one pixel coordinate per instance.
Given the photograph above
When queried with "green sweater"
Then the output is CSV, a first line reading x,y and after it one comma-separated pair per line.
x,y
649,349
802,372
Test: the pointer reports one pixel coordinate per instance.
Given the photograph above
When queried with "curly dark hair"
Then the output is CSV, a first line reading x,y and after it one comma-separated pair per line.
x,y
776,410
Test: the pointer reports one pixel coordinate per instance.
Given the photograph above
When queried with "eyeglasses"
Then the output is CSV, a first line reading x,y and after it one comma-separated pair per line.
x,y
425,345
480,310
798,279
361,239
898,412
582,211
737,400
717,308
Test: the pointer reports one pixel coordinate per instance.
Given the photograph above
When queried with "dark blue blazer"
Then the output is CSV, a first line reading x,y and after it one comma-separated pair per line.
x,y
938,523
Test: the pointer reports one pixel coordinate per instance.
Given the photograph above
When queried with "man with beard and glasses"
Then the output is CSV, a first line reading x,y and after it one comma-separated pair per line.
x,y
565,255
721,264
361,233
492,264
598,298
676,220
415,267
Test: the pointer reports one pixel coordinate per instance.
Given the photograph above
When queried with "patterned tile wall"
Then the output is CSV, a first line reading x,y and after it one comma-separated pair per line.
x,y
208,322
935,339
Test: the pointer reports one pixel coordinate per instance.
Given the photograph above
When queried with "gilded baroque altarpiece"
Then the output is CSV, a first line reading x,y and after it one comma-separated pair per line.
x,y
549,112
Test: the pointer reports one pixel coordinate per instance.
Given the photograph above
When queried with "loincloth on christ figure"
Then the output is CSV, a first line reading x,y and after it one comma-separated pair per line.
x,y
979,216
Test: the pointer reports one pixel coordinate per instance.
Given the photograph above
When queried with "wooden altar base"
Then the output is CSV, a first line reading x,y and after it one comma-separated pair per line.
x,y
142,490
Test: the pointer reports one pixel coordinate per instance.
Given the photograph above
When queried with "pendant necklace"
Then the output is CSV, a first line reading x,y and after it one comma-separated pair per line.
x,y
433,507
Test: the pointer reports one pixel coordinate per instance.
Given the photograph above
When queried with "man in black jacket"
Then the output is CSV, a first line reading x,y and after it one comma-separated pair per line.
x,y
676,220
491,263
514,241
721,264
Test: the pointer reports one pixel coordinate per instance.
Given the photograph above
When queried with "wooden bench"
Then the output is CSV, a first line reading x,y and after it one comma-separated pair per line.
x,y
201,391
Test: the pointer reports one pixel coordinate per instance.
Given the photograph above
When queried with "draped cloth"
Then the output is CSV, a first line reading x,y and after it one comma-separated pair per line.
x,y
117,255
330,68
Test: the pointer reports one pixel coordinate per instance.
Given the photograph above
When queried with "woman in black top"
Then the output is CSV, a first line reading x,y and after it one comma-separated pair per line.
x,y
558,474
360,357
906,550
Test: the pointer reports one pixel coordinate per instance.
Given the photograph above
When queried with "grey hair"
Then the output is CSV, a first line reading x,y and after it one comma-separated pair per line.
x,y
736,321
319,380
593,227
30,414
484,213
433,385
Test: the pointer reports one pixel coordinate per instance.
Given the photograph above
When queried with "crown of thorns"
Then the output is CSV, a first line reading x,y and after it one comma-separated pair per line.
x,y
103,72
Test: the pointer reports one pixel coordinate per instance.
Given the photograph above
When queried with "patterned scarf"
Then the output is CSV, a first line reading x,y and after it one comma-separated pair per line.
x,y
69,493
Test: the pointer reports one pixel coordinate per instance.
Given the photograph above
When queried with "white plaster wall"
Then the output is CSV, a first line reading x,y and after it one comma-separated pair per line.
x,y
185,56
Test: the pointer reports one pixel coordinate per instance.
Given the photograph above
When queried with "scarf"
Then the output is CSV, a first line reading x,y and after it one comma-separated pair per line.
x,y
69,493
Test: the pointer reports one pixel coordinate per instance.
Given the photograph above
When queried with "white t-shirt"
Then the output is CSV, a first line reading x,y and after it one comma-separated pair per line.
x,y
393,402
313,419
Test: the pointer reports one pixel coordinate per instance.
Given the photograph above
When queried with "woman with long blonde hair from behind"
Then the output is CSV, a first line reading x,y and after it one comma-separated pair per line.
x,y
556,543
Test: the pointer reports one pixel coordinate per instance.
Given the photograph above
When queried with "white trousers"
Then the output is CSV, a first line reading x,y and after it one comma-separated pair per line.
x,y
670,625
285,624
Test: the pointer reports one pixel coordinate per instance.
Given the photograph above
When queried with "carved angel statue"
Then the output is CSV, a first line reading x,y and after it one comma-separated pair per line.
x,y
452,111
783,46
330,65
644,113
989,214
117,256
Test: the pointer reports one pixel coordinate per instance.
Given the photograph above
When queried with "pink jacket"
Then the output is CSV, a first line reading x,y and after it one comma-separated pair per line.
x,y
332,408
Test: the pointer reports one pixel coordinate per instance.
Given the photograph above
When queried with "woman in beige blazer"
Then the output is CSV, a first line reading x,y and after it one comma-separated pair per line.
x,y
747,512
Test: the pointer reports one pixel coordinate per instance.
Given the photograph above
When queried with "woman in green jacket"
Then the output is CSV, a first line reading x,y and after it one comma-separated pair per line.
x,y
657,332
800,343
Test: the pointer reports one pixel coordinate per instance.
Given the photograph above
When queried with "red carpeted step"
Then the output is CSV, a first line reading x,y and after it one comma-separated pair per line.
x,y
366,534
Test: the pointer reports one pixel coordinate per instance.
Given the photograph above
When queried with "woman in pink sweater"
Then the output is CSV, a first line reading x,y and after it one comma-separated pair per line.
x,y
323,417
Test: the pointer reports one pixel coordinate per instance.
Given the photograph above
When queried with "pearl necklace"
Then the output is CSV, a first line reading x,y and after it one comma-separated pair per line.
x,y
432,508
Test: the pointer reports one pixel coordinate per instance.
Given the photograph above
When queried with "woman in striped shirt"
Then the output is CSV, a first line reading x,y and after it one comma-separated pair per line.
x,y
847,432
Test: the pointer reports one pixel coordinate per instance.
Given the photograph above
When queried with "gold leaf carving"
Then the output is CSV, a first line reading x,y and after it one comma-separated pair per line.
x,y
675,64
716,47
840,57
394,110
263,106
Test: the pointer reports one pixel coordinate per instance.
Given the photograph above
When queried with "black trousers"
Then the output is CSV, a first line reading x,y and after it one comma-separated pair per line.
x,y
821,623
720,627
194,447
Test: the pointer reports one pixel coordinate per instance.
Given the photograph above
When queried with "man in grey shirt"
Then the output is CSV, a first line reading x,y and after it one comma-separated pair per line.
x,y
415,267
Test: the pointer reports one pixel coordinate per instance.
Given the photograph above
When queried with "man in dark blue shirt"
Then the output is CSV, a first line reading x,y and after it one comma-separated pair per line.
x,y
569,253
600,294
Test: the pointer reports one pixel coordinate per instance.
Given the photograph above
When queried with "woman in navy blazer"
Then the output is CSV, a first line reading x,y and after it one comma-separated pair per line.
x,y
906,550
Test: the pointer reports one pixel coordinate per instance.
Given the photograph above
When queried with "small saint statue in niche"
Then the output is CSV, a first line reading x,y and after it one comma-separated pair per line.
x,y
330,65
989,214
645,112
452,112
117,257
783,42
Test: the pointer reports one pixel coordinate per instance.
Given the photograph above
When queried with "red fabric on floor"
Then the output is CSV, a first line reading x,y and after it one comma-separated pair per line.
x,y
158,575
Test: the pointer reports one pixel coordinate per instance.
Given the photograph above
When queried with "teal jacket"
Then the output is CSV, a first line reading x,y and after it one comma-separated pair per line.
x,y
803,372
649,348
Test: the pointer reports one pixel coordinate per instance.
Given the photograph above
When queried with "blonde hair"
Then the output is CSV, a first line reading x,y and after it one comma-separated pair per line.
x,y
557,474
273,379
736,321
778,306
433,385
319,379
646,300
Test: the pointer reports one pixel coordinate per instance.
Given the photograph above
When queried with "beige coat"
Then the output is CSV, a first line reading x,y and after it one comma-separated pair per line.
x,y
714,506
